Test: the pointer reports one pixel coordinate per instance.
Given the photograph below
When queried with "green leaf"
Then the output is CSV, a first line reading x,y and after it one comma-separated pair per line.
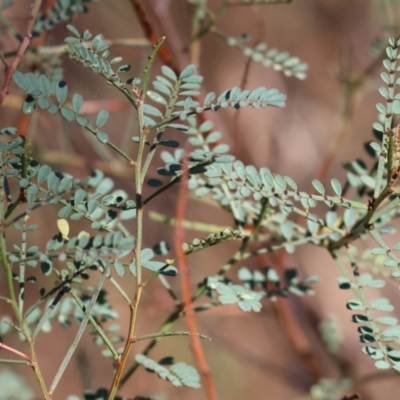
x,y
46,267
28,107
6,4
76,216
43,173
9,131
337,188
156,97
20,80
82,121
154,182
74,31
116,60
124,68
119,269
187,374
161,87
31,193
65,211
150,110
68,113
133,81
79,196
86,35
43,103
102,136
23,183
169,73
378,127
44,85
102,46
187,72
102,118
77,102
318,186
96,40
61,90
65,185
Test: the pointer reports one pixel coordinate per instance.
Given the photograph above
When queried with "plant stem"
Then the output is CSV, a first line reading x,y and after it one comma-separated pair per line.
x,y
11,28
79,334
24,45
197,349
21,362
165,334
96,327
134,306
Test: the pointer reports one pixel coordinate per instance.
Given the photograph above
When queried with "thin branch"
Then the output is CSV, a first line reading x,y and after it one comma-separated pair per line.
x,y
15,351
293,330
234,3
5,361
11,28
163,53
185,283
79,334
24,45
125,42
165,334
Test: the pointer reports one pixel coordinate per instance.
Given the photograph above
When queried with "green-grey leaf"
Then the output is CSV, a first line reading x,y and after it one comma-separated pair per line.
x,y
61,90
44,85
82,121
102,118
65,211
119,269
77,102
187,72
43,173
318,186
28,107
9,131
68,113
337,188
20,80
102,136
150,110
169,73
73,30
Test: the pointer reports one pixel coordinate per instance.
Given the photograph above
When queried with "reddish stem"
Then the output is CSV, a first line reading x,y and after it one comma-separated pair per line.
x,y
164,54
15,351
295,334
22,48
185,282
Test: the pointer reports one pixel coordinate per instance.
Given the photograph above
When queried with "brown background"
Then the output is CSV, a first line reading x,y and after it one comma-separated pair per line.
x,y
250,355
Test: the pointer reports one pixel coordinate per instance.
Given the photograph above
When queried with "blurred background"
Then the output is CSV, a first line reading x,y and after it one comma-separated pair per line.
x,y
277,354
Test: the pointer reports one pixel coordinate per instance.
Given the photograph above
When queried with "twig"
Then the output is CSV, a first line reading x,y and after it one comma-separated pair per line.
x,y
5,361
11,28
176,333
185,283
294,332
243,83
124,42
194,225
79,334
233,3
134,305
164,54
24,45
15,351
3,60
354,396
96,327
